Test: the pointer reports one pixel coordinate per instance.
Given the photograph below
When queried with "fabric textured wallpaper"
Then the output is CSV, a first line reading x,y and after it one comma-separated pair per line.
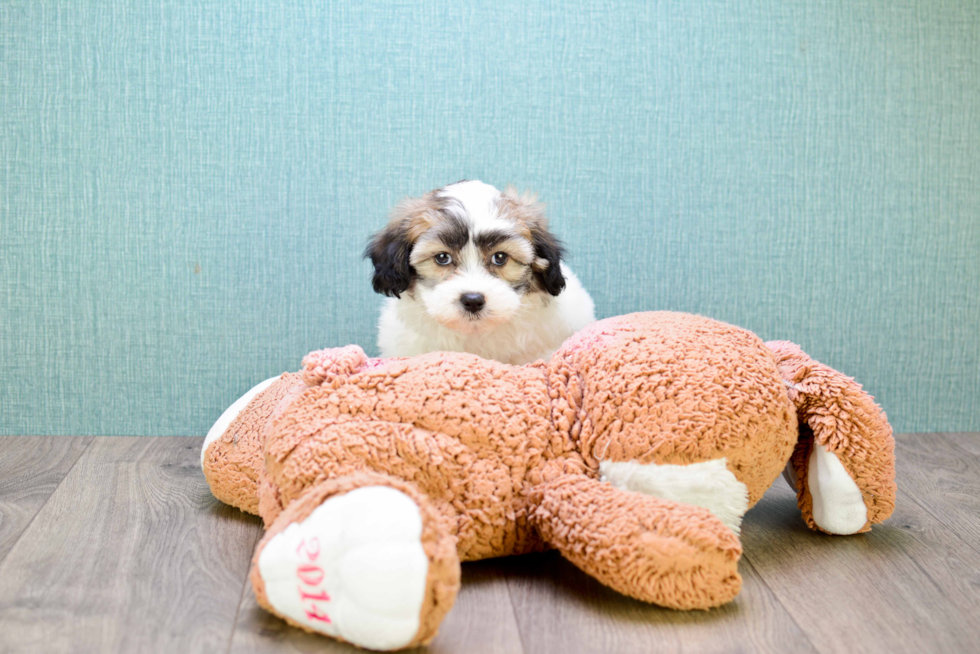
x,y
186,187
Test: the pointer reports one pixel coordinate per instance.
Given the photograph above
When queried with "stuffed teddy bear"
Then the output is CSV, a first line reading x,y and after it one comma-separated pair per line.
x,y
635,451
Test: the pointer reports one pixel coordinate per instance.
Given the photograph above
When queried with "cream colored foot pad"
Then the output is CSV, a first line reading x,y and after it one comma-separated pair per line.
x,y
838,506
354,568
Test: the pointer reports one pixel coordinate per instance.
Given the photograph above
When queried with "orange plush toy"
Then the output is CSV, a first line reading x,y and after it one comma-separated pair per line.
x,y
634,452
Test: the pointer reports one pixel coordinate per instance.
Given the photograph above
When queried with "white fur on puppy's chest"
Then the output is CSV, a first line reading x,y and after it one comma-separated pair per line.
x,y
708,484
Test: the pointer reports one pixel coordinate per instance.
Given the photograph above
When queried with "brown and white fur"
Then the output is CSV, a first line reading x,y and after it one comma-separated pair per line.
x,y
468,268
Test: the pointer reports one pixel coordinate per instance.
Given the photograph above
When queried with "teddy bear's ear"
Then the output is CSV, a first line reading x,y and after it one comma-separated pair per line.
x,y
320,367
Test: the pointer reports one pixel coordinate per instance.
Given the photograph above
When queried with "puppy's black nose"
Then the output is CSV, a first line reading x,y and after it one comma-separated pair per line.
x,y
473,302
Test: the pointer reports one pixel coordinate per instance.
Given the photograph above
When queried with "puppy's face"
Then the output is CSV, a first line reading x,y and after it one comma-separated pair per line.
x,y
469,253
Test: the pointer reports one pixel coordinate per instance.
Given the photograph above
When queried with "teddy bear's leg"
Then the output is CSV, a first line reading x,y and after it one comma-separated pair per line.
x,y
843,467
676,555
367,559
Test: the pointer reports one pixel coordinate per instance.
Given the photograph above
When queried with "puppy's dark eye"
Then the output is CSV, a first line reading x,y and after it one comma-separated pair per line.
x,y
443,259
499,259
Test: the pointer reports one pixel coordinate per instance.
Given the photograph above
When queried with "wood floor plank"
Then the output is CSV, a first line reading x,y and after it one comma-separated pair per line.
x,y
31,467
967,441
908,586
481,622
130,554
562,610
944,478
116,544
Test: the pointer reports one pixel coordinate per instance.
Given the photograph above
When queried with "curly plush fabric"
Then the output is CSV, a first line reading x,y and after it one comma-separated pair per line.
x,y
836,414
672,554
504,459
233,467
671,388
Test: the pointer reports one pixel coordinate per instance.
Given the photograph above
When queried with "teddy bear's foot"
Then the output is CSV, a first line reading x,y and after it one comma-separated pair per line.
x,y
357,568
843,467
837,505
354,568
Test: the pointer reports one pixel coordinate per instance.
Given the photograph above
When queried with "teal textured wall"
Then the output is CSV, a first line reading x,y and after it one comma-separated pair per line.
x,y
186,187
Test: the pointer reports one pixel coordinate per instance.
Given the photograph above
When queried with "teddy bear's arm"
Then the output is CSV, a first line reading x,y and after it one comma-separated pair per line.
x,y
655,550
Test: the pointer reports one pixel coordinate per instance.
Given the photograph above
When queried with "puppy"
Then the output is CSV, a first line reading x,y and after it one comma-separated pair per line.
x,y
470,269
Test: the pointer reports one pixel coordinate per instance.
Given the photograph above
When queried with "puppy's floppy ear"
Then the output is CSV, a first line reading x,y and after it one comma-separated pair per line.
x,y
525,210
389,251
548,252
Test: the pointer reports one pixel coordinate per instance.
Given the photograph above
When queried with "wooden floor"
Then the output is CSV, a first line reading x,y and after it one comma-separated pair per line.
x,y
116,545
